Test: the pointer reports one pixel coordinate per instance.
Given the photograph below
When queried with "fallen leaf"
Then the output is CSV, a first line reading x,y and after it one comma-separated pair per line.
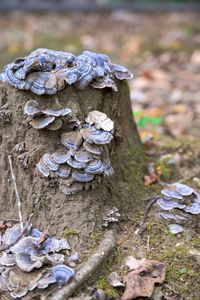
x,y
140,282
133,263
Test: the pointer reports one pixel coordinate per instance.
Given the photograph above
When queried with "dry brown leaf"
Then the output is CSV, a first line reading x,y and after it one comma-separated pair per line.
x,y
140,282
133,263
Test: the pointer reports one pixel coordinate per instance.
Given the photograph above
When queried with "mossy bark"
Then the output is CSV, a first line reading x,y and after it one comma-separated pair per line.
x,y
82,212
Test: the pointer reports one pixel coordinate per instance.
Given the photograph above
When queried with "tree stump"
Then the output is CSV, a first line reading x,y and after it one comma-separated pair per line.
x,y
50,207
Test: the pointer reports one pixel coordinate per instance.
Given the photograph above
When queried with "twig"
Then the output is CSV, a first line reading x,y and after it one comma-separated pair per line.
x,y
92,264
19,205
146,213
5,247
148,241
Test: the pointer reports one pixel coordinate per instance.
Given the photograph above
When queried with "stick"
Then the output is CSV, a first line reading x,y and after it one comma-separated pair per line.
x,y
19,205
92,264
147,210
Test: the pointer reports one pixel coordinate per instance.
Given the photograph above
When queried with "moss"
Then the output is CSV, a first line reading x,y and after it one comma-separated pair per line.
x,y
96,236
102,283
182,270
67,232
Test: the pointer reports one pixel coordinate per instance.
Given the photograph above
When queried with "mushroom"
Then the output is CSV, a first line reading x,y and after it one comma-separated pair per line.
x,y
11,235
31,108
49,162
97,136
102,83
72,189
72,140
194,208
169,204
19,292
120,72
43,169
100,120
46,71
27,262
42,121
60,157
7,259
52,245
94,149
45,117
57,124
62,273
95,167
171,193
83,156
63,171
75,164
82,176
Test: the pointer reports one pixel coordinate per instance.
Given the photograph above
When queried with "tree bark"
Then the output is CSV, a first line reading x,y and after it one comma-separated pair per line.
x,y
51,209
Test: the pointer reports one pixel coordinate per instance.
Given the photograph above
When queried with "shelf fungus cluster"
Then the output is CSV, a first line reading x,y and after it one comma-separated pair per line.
x,y
178,201
43,117
46,71
32,262
86,158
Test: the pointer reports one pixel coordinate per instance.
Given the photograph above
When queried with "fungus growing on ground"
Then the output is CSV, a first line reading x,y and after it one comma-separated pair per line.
x,y
32,263
46,71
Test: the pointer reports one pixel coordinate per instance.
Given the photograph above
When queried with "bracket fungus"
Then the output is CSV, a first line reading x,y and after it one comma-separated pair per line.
x,y
46,71
45,117
86,157
178,197
33,262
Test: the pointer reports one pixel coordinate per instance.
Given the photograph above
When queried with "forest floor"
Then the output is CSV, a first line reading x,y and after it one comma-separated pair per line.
x,y
162,50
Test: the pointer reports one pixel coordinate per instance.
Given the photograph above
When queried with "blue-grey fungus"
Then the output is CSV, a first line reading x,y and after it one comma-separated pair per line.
x,y
95,167
11,234
183,189
42,121
75,164
7,259
57,124
32,108
19,292
83,156
86,151
94,149
82,176
61,157
169,204
73,189
176,228
193,209
42,168
63,171
46,71
49,162
95,136
62,273
171,193
26,263
72,140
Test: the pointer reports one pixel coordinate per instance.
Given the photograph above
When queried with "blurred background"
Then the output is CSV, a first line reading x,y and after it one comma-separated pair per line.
x,y
157,40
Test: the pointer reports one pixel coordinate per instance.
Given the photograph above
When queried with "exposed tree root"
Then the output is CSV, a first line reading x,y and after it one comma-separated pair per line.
x,y
92,264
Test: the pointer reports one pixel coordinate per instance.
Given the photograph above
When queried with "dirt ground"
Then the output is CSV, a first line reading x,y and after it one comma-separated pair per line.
x,y
162,50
